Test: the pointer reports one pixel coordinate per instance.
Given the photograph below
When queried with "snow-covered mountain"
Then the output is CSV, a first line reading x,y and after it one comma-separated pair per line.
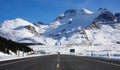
x,y
83,27
20,30
74,27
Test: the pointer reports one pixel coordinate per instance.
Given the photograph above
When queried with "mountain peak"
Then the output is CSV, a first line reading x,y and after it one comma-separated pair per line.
x,y
11,24
18,19
85,11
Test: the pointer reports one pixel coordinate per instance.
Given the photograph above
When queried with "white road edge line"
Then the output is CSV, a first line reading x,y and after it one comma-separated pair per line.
x,y
16,61
102,61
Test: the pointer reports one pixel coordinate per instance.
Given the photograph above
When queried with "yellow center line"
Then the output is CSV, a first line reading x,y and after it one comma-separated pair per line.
x,y
58,60
58,65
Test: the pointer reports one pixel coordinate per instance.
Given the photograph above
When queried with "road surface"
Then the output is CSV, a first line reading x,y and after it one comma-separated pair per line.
x,y
60,62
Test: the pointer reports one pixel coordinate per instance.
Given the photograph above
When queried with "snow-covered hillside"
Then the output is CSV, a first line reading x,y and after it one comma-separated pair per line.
x,y
19,30
83,27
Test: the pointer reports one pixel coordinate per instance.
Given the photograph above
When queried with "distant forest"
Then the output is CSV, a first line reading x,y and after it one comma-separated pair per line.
x,y
6,45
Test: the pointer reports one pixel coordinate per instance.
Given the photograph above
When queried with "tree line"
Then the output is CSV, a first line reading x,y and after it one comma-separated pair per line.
x,y
7,45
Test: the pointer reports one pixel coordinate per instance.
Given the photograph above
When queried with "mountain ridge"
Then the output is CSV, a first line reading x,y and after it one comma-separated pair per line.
x,y
77,27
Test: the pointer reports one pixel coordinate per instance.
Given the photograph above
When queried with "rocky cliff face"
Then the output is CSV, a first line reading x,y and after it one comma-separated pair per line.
x,y
31,29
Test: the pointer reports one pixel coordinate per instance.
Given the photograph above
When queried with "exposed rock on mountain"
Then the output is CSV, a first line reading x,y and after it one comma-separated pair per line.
x,y
31,29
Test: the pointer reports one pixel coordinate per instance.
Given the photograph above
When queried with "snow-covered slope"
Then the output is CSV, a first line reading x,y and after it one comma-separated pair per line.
x,y
12,24
68,28
83,27
75,16
72,20
20,30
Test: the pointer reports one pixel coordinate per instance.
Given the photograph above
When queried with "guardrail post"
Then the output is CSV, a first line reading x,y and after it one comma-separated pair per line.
x,y
107,54
91,53
23,52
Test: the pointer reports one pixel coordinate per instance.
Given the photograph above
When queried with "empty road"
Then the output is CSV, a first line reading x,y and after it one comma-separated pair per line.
x,y
60,62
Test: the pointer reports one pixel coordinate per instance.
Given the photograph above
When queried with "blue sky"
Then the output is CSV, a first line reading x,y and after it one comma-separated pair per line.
x,y
47,10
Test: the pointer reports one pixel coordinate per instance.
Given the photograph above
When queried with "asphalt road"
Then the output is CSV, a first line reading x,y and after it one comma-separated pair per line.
x,y
37,63
84,63
60,62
